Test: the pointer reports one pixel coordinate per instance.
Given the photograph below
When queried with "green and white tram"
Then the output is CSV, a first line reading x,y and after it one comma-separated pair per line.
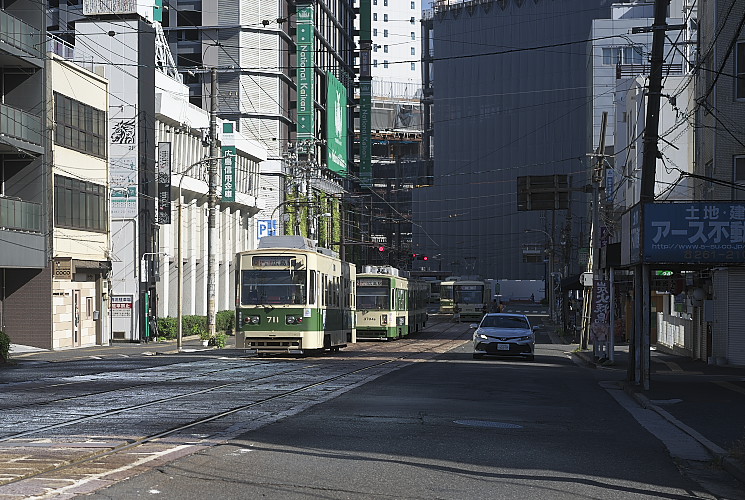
x,y
382,304
419,292
464,299
292,297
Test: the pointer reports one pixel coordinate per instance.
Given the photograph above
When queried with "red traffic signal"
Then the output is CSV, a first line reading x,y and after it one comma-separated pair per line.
x,y
381,248
425,258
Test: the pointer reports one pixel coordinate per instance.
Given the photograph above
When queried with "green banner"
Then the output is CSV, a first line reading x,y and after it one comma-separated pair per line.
x,y
365,132
336,125
228,154
305,77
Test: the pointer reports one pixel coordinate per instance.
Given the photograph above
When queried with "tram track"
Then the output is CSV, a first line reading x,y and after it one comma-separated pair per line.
x,y
268,398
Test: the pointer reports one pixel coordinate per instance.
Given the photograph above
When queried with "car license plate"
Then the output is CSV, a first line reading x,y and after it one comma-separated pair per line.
x,y
503,347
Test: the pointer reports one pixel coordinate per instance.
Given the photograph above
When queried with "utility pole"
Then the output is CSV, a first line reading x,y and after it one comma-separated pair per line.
x,y
639,369
212,208
596,180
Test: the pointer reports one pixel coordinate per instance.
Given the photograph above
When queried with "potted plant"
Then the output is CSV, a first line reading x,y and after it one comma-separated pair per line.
x,y
205,337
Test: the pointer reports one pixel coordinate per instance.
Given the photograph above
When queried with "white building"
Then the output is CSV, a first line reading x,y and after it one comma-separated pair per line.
x,y
396,46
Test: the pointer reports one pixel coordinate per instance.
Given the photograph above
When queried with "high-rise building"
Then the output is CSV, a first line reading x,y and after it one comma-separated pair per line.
x,y
510,99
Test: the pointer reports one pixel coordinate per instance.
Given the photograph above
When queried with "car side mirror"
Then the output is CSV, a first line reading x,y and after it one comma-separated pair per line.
x,y
474,325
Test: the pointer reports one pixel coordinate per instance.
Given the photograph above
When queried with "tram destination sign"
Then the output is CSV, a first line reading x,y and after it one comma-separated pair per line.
x,y
695,232
271,261
372,282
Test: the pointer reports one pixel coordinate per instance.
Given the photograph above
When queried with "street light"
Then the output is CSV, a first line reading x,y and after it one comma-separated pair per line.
x,y
180,263
550,280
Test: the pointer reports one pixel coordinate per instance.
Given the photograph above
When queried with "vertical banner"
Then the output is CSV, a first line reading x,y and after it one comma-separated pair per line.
x,y
366,133
228,154
601,304
305,76
336,125
164,183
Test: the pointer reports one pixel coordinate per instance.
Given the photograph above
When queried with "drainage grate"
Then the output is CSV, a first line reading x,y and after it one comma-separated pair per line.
x,y
487,423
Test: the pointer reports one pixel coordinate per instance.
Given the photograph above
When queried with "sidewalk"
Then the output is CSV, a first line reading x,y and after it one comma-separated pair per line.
x,y
189,344
705,401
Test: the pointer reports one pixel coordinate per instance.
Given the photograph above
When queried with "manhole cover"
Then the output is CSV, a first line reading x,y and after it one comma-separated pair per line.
x,y
487,423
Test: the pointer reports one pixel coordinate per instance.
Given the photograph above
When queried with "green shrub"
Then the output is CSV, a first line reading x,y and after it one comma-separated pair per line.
x,y
4,346
195,325
219,340
225,321
168,327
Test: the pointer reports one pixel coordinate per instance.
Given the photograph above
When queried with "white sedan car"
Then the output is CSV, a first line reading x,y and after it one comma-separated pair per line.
x,y
504,334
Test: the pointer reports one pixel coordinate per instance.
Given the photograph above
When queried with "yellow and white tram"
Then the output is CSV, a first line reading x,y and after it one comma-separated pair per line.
x,y
464,299
292,297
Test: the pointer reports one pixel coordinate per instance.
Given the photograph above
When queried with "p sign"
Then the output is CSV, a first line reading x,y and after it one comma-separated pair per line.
x,y
266,227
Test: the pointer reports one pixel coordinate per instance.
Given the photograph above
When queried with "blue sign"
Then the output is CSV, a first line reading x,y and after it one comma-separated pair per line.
x,y
266,227
705,232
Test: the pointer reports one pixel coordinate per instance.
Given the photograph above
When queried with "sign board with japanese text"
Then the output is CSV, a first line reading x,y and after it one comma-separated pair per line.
x,y
164,183
336,125
600,320
694,232
228,154
266,227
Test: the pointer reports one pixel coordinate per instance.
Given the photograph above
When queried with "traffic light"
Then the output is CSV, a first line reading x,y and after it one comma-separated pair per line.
x,y
425,257
381,248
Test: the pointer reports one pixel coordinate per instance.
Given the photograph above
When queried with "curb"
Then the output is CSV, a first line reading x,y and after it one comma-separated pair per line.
x,y
728,463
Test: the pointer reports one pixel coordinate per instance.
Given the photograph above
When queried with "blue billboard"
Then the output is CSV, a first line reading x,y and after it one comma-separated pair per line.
x,y
694,232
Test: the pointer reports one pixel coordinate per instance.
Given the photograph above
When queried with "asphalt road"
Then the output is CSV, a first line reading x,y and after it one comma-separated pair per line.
x,y
446,428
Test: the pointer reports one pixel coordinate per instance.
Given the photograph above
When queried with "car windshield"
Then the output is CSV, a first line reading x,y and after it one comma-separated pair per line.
x,y
504,322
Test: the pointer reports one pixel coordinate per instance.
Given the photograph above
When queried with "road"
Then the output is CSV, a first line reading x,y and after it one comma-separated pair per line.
x,y
415,418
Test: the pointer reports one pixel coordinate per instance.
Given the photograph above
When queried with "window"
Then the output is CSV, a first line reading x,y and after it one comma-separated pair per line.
x,y
79,204
413,35
412,20
413,5
413,66
738,174
79,126
385,18
385,64
375,47
385,33
375,2
413,51
375,63
375,31
623,55
385,49
385,3
740,70
375,16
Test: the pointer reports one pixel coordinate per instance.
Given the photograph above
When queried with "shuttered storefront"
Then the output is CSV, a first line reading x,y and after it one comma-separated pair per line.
x,y
736,299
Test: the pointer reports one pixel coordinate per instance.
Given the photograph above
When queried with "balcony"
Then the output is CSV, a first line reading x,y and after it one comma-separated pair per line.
x,y
21,129
18,215
20,35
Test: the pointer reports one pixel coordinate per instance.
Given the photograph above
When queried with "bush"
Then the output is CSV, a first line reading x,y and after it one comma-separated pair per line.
x,y
4,346
195,325
168,327
219,340
225,321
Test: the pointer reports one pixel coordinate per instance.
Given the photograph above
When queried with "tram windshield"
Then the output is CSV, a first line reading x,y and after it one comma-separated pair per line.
x,y
260,287
372,297
469,294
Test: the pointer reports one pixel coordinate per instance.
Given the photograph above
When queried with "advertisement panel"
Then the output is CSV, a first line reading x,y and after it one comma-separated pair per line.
x,y
164,183
305,79
600,320
123,161
365,132
694,232
228,154
336,129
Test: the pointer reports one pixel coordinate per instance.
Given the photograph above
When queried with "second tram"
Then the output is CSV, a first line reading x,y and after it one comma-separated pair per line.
x,y
389,306
292,297
465,300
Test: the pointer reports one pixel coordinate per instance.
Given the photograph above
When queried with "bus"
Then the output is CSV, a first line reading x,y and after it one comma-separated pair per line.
x,y
294,298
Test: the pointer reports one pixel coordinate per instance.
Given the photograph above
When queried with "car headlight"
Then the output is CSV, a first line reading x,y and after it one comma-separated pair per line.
x,y
481,336
527,337
252,320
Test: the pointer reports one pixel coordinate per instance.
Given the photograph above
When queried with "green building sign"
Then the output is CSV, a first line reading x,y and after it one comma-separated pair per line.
x,y
305,79
336,129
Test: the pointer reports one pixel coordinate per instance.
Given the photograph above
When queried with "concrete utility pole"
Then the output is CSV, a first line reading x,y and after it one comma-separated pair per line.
x,y
642,318
212,208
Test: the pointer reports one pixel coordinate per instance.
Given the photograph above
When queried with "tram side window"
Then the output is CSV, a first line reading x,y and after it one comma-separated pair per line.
x,y
312,288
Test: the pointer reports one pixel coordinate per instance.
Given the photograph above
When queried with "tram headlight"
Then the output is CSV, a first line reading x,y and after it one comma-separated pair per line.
x,y
293,320
251,320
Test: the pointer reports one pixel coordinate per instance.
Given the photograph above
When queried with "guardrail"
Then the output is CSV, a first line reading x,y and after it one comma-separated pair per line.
x,y
20,215
20,35
19,124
